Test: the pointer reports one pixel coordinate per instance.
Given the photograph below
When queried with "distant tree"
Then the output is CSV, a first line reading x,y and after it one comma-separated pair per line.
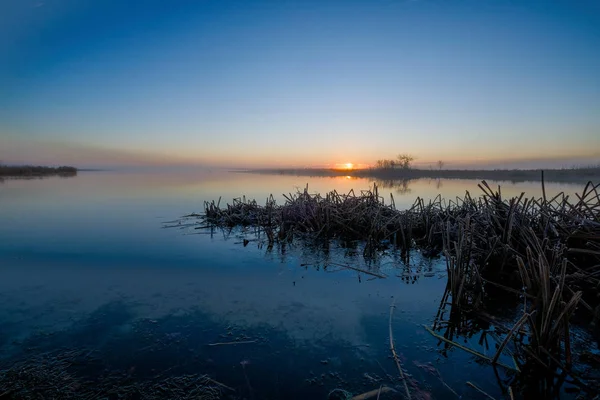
x,y
440,164
404,161
386,164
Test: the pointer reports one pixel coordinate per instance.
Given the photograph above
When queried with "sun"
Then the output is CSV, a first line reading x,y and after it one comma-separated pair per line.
x,y
349,165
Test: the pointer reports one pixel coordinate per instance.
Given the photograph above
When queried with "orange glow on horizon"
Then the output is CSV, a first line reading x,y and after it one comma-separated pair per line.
x,y
347,166
18,150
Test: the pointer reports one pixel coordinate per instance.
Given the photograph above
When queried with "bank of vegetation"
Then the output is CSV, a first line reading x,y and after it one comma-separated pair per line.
x,y
401,168
566,175
34,171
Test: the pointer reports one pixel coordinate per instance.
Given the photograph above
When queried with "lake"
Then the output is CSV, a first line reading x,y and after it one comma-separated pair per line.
x,y
88,267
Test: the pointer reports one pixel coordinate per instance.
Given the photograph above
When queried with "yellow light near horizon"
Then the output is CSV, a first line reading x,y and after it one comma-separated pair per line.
x,y
349,165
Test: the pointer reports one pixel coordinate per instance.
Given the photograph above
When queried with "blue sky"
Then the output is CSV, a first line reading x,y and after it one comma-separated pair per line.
x,y
310,83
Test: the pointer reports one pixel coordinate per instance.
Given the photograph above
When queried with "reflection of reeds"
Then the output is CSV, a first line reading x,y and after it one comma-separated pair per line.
x,y
400,185
482,238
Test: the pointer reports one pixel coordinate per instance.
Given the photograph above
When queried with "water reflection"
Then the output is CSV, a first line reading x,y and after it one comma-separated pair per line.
x,y
312,329
398,186
85,264
63,175
265,363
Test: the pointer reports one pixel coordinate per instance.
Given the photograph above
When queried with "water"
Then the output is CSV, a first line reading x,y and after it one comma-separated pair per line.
x,y
86,264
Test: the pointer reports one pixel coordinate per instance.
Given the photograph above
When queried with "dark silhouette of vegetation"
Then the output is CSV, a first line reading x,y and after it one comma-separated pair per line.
x,y
34,171
546,251
403,162
516,175
387,172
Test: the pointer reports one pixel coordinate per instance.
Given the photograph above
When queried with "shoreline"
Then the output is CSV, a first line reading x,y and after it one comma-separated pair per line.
x,y
521,175
36,171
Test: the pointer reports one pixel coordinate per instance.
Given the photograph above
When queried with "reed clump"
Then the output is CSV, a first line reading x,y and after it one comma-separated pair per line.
x,y
349,216
491,231
547,250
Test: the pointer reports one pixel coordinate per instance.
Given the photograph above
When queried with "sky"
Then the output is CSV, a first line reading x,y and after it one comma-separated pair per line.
x,y
481,83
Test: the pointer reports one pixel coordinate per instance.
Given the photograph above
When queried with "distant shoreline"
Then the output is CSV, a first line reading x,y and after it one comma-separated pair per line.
x,y
36,171
575,175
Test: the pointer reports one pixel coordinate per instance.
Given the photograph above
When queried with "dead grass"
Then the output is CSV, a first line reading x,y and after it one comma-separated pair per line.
x,y
55,376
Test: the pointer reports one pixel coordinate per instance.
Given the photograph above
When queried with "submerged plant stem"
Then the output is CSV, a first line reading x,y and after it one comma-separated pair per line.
x,y
393,350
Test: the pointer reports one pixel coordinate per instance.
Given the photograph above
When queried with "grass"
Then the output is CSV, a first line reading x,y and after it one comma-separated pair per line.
x,y
545,250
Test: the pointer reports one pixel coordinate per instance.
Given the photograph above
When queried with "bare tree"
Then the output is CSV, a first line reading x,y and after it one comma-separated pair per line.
x,y
404,161
440,164
384,164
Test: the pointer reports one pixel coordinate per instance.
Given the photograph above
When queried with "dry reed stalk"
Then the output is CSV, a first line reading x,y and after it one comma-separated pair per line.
x,y
468,350
232,343
373,393
394,354
515,328
550,328
364,271
510,393
480,390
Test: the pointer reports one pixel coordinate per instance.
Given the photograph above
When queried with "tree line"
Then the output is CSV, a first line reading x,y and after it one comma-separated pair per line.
x,y
31,170
403,161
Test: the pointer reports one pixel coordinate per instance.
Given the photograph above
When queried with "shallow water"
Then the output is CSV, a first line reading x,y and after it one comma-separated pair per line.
x,y
87,264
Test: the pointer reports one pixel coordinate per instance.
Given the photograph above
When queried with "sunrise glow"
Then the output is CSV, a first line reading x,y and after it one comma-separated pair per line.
x,y
335,91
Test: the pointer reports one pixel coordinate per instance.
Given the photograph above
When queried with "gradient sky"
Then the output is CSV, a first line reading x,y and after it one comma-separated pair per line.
x,y
299,83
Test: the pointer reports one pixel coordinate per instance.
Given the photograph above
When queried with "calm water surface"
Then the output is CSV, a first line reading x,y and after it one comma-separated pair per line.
x,y
86,263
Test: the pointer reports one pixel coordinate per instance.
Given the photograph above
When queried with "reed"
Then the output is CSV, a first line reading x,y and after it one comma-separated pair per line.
x,y
545,279
545,249
492,231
